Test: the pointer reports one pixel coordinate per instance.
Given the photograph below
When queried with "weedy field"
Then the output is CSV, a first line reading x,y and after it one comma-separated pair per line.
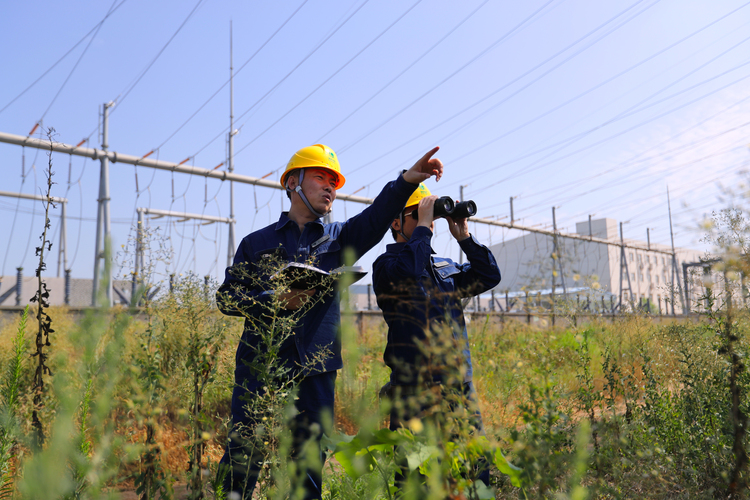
x,y
135,403
140,403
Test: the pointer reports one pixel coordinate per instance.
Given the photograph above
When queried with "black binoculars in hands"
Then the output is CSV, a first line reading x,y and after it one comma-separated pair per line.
x,y
445,206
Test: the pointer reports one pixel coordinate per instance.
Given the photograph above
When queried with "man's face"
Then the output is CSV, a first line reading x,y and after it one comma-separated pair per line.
x,y
410,223
319,186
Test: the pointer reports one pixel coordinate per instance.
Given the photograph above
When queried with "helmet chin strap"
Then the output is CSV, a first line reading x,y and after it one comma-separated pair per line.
x,y
401,231
302,196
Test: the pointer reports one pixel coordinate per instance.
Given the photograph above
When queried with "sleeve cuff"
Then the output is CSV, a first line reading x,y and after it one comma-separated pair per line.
x,y
401,176
468,242
422,232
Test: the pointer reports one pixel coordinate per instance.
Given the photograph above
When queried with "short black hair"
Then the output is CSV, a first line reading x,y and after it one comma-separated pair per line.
x,y
399,218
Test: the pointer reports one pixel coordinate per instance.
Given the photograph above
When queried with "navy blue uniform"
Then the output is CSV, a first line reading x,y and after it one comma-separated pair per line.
x,y
418,292
421,294
318,330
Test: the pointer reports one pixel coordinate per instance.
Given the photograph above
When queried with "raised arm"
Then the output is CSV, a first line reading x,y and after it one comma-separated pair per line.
x,y
366,229
482,272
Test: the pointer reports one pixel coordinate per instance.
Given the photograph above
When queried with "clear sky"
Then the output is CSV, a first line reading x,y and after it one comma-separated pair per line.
x,y
591,107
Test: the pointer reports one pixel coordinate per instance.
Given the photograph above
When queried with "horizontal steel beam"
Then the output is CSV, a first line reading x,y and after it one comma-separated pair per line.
x,y
39,197
183,215
571,236
223,175
140,161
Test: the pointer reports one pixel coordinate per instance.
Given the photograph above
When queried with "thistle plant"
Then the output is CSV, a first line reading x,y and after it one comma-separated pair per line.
x,y
41,298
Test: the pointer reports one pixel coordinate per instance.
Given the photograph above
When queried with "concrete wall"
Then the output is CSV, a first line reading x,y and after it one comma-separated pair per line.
x,y
526,263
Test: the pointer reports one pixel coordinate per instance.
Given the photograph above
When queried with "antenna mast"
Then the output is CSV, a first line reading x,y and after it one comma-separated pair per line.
x,y
230,161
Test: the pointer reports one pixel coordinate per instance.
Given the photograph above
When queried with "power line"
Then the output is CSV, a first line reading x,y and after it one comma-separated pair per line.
x,y
570,140
634,172
504,86
80,58
588,91
411,65
494,44
634,160
464,155
332,75
235,74
315,49
133,84
94,29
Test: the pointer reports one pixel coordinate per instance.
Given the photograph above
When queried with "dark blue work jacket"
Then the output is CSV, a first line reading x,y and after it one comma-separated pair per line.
x,y
419,292
318,330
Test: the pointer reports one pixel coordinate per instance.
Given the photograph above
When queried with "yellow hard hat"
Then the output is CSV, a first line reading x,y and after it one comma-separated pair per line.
x,y
417,195
316,156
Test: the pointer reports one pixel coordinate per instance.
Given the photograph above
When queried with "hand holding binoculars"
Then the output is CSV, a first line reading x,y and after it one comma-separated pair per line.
x,y
445,206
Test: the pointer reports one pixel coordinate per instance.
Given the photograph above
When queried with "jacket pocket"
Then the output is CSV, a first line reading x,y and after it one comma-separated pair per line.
x,y
446,270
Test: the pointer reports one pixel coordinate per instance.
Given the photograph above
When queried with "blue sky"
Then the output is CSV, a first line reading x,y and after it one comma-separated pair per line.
x,y
591,107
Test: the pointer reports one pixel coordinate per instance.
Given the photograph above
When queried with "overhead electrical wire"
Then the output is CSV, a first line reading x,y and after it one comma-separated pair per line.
x,y
463,155
717,175
619,185
575,138
315,49
687,211
482,53
75,66
341,68
637,158
638,201
631,162
711,204
129,88
588,91
11,208
24,174
506,85
273,35
408,67
94,29
565,143
609,205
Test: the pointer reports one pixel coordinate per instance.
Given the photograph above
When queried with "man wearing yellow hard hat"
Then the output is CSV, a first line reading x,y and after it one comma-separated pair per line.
x,y
420,295
311,179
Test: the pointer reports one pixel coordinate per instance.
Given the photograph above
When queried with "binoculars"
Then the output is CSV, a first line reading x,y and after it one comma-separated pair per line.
x,y
445,206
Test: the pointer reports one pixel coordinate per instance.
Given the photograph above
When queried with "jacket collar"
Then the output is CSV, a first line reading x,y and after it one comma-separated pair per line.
x,y
284,220
396,247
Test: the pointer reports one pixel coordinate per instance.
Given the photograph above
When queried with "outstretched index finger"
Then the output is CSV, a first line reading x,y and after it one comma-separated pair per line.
x,y
425,167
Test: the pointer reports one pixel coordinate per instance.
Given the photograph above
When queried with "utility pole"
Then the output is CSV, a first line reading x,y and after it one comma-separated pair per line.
x,y
62,252
103,224
512,219
230,161
675,273
138,263
556,255
624,268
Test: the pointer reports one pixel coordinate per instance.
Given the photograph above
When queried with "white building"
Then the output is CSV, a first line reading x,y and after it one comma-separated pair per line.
x,y
527,263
